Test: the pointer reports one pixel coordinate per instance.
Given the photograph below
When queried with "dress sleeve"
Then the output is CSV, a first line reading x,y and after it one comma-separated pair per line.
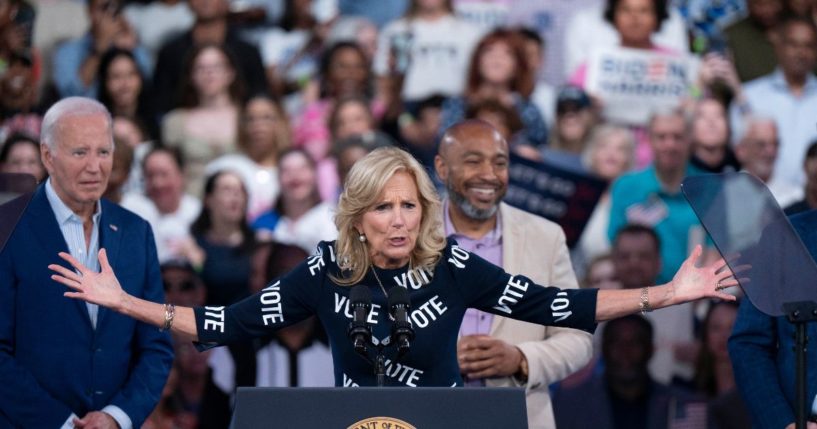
x,y
285,301
489,288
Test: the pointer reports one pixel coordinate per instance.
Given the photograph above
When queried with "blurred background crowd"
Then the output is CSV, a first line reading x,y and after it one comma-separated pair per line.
x,y
235,122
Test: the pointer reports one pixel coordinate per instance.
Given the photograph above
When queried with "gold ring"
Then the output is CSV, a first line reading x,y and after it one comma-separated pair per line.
x,y
719,287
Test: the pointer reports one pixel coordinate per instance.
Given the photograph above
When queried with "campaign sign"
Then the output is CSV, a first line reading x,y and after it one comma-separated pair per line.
x,y
633,83
565,197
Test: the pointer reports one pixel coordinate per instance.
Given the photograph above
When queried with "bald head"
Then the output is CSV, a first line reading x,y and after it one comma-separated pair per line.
x,y
472,161
469,131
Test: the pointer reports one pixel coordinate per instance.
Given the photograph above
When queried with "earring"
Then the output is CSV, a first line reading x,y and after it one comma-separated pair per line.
x,y
362,238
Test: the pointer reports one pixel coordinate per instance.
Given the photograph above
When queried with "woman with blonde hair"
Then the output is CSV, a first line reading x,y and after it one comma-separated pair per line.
x,y
391,243
609,154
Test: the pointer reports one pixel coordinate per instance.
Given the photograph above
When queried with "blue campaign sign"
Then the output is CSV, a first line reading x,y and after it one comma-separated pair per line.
x,y
562,196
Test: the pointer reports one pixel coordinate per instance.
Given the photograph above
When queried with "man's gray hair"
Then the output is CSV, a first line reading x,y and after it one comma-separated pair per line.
x,y
70,107
748,122
669,111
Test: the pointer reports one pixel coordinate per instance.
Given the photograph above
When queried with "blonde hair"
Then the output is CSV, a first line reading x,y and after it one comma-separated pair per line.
x,y
363,187
602,133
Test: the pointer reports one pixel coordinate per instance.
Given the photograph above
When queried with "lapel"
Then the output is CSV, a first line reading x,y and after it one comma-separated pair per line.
x,y
46,230
511,234
110,238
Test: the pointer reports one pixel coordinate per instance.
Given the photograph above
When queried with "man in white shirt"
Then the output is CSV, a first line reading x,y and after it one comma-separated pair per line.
x,y
789,96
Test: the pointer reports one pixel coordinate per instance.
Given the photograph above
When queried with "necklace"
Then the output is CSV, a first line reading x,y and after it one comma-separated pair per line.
x,y
374,271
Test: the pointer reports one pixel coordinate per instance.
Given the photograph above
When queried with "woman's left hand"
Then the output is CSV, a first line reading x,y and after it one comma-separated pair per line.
x,y
100,288
691,283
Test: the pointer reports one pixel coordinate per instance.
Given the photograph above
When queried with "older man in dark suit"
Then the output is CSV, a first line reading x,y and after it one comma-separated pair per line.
x,y
64,363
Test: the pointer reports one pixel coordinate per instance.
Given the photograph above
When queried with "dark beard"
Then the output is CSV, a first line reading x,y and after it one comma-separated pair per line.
x,y
467,208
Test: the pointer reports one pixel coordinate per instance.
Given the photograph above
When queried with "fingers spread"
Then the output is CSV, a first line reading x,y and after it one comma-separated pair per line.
x,y
103,260
73,284
74,263
64,272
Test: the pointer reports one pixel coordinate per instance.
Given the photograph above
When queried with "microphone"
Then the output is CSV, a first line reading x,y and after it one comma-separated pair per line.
x,y
360,299
401,330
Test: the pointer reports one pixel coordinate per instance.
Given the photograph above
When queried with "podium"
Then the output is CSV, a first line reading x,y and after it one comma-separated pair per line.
x,y
379,407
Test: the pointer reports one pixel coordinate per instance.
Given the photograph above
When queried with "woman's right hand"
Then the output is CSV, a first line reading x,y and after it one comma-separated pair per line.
x,y
100,288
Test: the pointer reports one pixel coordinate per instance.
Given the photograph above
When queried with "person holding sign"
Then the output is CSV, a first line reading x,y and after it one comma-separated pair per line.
x,y
390,235
630,81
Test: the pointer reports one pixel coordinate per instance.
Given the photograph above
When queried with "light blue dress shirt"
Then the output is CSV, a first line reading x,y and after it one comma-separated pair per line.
x,y
71,227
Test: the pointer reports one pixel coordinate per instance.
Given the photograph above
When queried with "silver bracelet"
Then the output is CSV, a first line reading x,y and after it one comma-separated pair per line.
x,y
170,313
644,304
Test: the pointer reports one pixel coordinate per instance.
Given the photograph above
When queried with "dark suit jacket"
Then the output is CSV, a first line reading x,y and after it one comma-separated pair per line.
x,y
761,351
52,361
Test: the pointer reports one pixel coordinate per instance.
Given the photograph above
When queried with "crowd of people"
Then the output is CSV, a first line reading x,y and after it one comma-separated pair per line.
x,y
236,125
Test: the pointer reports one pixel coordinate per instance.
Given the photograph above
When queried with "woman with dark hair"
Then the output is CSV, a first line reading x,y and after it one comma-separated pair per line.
x,y
206,125
299,217
125,91
223,255
711,134
263,132
344,72
635,21
21,154
498,70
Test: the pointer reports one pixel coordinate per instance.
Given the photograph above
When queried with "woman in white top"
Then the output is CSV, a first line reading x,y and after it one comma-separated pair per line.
x,y
299,217
430,47
262,134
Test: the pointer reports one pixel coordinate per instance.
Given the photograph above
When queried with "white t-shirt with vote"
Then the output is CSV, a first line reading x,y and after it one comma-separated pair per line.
x,y
438,54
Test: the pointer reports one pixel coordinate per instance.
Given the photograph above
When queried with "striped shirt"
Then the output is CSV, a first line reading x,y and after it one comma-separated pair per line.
x,y
71,227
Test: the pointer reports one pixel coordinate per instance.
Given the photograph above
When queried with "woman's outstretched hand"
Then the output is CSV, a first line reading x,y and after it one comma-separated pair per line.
x,y
691,283
100,288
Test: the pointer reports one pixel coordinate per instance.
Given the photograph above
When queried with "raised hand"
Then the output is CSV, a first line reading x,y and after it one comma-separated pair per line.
x,y
100,288
691,283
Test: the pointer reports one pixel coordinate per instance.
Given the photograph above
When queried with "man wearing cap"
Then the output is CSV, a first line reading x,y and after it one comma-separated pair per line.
x,y
574,118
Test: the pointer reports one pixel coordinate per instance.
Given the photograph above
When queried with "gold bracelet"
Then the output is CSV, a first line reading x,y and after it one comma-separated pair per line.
x,y
170,313
644,304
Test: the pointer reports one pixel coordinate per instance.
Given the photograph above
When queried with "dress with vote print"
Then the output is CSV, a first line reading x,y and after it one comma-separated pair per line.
x,y
439,299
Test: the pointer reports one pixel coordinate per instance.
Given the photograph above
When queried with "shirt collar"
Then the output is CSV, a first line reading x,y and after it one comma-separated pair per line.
x,y
778,80
689,170
62,211
493,237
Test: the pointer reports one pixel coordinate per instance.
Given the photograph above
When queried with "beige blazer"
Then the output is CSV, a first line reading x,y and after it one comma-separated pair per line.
x,y
535,247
